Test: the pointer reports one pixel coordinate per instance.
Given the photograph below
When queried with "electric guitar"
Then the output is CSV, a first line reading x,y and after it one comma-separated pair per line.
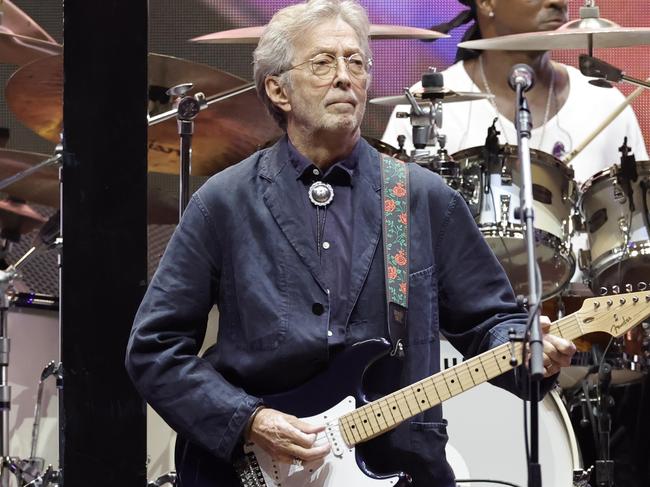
x,y
350,419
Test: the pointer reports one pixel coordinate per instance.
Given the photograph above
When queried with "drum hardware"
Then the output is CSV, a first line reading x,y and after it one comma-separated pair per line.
x,y
187,108
51,478
505,211
251,35
169,478
581,477
597,68
51,370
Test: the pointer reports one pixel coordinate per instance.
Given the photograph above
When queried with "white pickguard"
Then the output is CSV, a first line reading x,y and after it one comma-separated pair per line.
x,y
338,469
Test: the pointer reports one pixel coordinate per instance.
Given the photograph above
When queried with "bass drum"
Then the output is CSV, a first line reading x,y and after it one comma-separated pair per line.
x,y
493,197
486,434
617,222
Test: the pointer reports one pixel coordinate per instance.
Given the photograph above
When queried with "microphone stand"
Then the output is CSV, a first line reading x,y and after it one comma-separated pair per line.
x,y
524,126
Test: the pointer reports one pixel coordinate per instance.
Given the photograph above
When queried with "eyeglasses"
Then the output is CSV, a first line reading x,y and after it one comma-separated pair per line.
x,y
324,65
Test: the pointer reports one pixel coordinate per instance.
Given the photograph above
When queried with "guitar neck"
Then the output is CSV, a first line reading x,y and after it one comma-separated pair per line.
x,y
384,414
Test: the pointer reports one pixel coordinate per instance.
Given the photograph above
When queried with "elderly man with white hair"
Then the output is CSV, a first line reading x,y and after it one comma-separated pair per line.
x,y
288,245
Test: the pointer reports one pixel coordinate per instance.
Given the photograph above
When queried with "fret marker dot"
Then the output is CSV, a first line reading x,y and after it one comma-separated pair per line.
x,y
475,370
394,408
452,381
352,427
378,414
365,420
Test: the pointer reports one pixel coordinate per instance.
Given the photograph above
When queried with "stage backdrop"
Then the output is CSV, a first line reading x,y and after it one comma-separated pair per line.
x,y
397,64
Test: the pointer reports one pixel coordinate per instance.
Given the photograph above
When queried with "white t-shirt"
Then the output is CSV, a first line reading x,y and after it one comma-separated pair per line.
x,y
465,124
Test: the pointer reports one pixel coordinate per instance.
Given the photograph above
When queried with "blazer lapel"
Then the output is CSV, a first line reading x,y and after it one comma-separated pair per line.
x,y
286,209
366,215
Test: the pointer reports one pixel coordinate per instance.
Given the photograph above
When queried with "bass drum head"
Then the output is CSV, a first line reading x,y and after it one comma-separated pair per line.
x,y
486,434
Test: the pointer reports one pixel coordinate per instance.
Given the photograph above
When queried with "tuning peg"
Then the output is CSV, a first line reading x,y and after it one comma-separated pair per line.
x,y
616,289
642,286
629,288
603,291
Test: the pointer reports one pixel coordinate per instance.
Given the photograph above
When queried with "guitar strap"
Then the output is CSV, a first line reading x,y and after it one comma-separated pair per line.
x,y
395,231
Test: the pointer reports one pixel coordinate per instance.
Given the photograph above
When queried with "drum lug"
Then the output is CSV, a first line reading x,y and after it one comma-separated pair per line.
x,y
506,176
505,210
584,259
619,194
578,223
569,191
624,228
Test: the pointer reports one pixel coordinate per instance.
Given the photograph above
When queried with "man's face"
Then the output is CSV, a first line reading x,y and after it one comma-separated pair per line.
x,y
333,103
519,16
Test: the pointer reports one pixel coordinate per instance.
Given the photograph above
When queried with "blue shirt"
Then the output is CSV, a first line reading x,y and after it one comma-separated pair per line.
x,y
335,232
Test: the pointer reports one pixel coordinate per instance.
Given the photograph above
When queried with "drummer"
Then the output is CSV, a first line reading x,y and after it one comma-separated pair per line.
x,y
565,108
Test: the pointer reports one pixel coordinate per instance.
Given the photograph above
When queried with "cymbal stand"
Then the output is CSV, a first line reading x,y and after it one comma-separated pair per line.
x,y
22,469
51,369
187,108
605,465
6,279
52,161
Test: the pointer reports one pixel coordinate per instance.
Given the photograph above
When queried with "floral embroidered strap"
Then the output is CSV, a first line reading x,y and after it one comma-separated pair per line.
x,y
395,230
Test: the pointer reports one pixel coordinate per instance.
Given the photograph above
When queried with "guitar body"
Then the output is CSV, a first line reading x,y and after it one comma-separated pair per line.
x,y
335,391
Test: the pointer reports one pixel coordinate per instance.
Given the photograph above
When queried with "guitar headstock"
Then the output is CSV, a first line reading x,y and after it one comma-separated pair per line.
x,y
615,314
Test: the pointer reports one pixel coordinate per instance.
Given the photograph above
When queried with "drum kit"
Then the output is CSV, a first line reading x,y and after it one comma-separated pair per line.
x,y
611,207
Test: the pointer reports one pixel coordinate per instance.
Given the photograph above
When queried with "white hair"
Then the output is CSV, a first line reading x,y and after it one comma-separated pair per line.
x,y
275,51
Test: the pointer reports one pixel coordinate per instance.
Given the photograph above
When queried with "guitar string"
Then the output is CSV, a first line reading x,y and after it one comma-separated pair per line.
x,y
569,325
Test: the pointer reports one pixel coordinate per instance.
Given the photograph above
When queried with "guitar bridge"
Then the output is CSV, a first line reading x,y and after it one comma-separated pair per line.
x,y
249,471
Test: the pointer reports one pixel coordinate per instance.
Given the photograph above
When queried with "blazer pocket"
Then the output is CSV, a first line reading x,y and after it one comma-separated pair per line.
x,y
422,309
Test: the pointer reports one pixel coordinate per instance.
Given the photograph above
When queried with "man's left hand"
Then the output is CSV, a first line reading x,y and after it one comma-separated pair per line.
x,y
557,351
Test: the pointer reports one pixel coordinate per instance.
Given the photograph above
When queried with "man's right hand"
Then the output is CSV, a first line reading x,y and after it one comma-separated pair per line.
x,y
287,438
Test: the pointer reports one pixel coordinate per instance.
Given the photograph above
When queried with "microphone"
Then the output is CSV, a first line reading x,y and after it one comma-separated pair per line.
x,y
523,76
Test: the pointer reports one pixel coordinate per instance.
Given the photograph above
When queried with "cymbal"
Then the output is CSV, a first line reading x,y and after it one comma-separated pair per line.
x,y
17,218
17,21
19,49
41,187
387,149
225,132
445,95
251,35
21,39
577,34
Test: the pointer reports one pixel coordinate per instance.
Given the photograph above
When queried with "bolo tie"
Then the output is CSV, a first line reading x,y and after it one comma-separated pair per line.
x,y
320,194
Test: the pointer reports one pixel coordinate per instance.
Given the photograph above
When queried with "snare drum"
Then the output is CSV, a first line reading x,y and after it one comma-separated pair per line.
x,y
618,230
494,197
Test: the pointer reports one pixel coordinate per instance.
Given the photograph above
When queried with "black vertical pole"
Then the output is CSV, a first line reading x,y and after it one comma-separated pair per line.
x,y
104,266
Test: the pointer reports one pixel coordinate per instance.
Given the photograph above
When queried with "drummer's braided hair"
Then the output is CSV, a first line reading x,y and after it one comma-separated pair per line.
x,y
473,32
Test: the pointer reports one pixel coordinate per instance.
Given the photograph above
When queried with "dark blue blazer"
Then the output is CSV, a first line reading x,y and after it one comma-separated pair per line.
x,y
242,245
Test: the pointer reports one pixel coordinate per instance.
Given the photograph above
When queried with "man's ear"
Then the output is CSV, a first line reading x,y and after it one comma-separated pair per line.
x,y
485,7
277,93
